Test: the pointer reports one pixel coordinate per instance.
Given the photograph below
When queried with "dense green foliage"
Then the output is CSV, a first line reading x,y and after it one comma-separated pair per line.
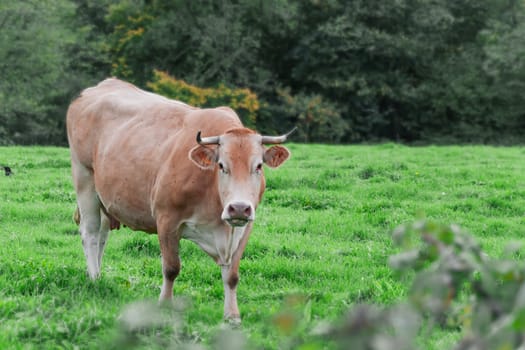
x,y
322,233
344,71
243,101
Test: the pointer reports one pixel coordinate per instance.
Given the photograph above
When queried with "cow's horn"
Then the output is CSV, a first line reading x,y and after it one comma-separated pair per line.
x,y
271,140
212,140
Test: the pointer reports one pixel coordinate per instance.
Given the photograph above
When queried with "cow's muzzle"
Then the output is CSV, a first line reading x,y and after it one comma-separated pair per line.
x,y
238,213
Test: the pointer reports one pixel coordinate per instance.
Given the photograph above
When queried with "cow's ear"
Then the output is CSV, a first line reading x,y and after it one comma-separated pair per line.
x,y
203,157
275,156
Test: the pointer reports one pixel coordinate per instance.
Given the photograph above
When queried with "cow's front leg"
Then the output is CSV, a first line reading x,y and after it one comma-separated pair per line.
x,y
169,246
230,279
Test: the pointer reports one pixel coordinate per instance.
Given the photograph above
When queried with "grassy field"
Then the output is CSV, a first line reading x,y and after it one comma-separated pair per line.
x,y
322,232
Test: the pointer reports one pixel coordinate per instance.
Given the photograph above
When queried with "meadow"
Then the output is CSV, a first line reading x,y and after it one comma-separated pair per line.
x,y
322,236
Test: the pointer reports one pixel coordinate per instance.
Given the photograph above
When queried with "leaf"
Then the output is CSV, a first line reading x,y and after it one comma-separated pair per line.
x,y
285,322
519,303
512,248
307,312
404,260
399,234
519,320
446,236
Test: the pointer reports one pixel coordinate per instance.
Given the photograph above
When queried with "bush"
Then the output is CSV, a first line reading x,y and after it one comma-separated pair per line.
x,y
320,120
243,101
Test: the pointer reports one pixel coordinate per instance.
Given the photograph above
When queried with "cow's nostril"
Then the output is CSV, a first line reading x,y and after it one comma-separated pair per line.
x,y
239,210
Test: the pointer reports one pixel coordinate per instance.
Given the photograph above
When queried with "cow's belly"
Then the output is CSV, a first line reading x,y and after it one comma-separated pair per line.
x,y
125,170
136,220
126,200
127,213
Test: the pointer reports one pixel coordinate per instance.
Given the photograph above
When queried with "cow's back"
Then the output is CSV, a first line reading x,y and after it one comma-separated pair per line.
x,y
115,109
129,138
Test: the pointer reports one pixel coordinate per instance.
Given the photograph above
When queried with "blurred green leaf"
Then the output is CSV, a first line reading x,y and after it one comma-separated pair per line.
x,y
404,260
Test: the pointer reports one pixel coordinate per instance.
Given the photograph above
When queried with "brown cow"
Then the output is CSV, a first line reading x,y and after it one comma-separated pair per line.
x,y
139,159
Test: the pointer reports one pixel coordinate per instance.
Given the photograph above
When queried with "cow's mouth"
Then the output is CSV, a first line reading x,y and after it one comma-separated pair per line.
x,y
238,213
237,222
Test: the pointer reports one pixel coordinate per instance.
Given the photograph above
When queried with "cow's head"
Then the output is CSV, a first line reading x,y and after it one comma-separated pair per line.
x,y
238,156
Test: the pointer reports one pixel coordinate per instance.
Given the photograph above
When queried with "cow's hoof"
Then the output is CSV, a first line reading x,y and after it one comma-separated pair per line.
x,y
233,322
92,276
166,303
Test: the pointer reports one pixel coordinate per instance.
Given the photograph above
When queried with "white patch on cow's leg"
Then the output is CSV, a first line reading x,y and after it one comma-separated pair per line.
x,y
90,243
170,271
90,232
168,279
230,278
90,227
89,208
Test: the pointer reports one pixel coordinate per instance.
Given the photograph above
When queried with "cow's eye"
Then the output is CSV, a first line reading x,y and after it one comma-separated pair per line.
x,y
258,168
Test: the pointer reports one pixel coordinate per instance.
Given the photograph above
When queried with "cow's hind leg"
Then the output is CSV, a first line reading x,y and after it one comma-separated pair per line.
x,y
105,227
93,226
90,227
103,234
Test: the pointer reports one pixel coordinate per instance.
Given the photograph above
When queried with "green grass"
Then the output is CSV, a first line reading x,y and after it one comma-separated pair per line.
x,y
322,231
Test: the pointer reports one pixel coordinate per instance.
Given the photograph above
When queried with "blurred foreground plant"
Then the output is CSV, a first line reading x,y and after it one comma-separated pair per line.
x,y
150,325
450,273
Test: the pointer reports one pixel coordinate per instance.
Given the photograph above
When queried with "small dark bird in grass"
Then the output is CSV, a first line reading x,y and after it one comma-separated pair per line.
x,y
7,170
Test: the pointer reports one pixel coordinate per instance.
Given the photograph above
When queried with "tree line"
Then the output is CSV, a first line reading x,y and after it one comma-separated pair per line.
x,y
344,71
